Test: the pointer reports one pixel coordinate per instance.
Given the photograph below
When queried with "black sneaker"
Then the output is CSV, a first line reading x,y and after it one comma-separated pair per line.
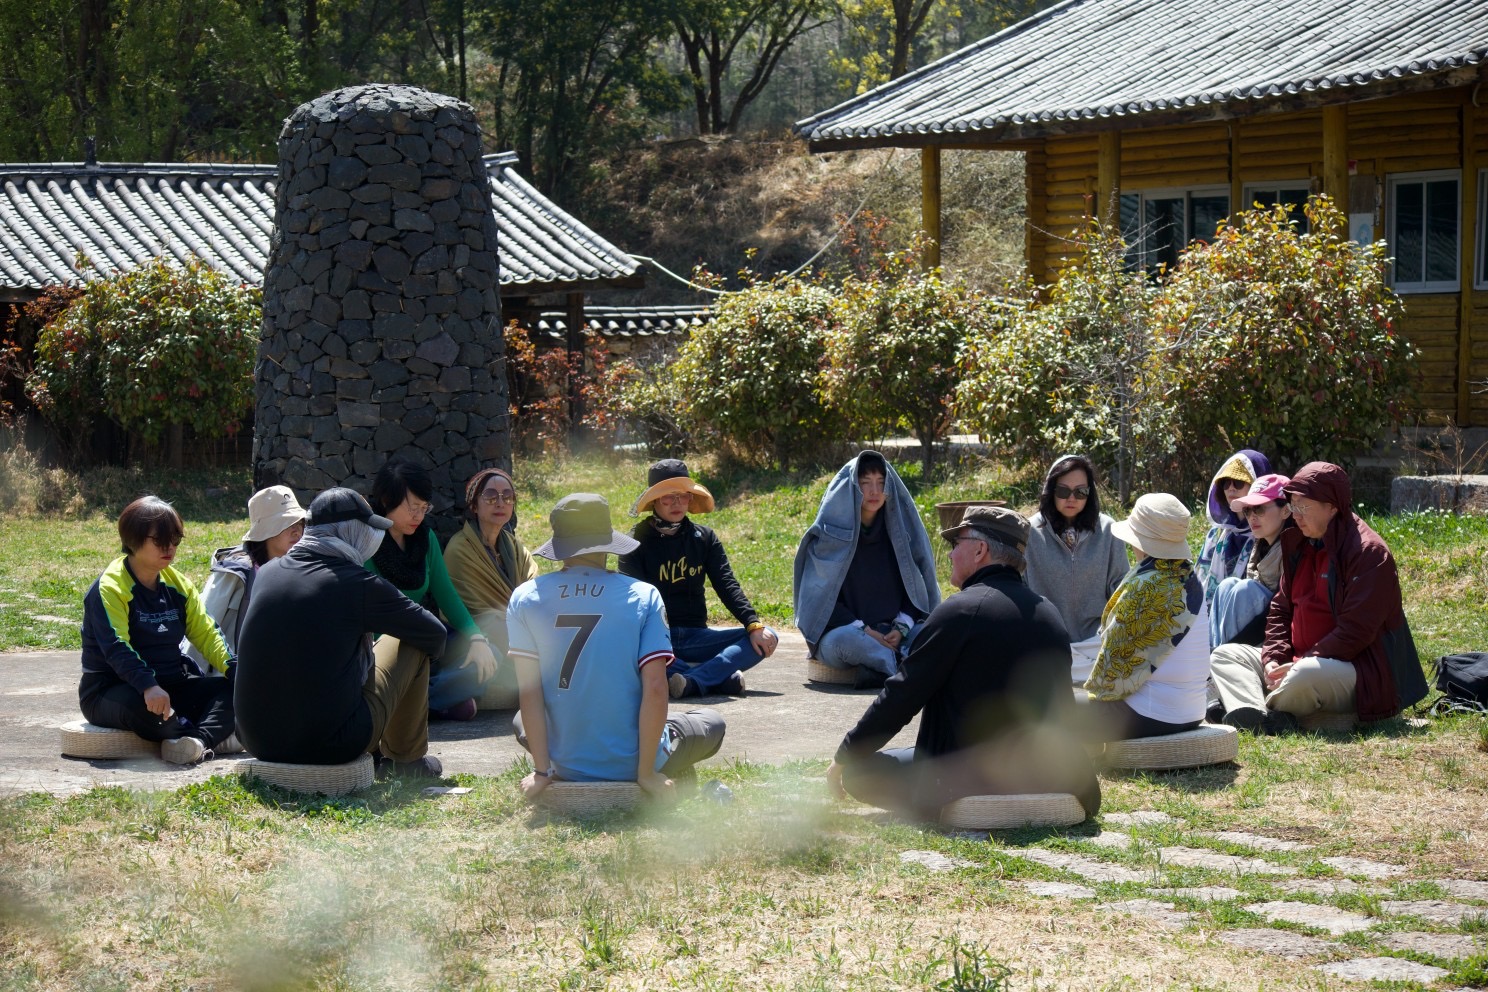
x,y
1215,714
681,687
1280,722
868,678
1246,718
426,767
734,686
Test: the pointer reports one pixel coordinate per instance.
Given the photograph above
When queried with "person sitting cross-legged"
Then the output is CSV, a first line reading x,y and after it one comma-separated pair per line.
x,y
1336,635
988,677
591,650
312,689
676,554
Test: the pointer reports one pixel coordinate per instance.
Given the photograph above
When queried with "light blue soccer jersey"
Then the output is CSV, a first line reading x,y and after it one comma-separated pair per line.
x,y
590,631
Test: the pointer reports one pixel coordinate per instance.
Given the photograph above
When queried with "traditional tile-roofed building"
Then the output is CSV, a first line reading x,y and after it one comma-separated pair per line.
x,y
1180,111
56,219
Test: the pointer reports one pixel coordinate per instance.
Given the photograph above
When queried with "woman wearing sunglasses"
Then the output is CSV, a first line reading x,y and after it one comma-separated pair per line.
x,y
486,562
1228,543
410,559
1074,560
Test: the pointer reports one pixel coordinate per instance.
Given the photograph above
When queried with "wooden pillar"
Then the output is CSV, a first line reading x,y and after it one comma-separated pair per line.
x,y
930,203
575,318
1237,188
1468,236
1335,156
1108,178
1036,199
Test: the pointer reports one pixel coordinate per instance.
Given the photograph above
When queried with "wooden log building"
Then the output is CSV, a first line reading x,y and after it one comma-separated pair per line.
x,y
1175,113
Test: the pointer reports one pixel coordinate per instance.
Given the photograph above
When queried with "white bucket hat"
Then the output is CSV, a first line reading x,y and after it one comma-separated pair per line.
x,y
1158,525
272,511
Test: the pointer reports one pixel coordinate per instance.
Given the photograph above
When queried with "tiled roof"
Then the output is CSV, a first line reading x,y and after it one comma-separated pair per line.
x,y
1087,64
626,322
119,216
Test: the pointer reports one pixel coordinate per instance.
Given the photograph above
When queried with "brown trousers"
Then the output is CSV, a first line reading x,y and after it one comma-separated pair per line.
x,y
397,696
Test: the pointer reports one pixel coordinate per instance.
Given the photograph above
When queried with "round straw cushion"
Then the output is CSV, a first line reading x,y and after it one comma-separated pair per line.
x,y
1046,809
497,697
1324,720
81,739
328,780
1208,744
590,798
827,675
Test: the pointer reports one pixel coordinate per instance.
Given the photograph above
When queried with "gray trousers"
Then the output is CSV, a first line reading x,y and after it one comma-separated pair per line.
x,y
1311,685
690,737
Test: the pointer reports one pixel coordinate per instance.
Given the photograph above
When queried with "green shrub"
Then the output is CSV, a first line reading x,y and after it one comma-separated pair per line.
x,y
161,346
646,399
892,354
1286,342
751,376
1076,370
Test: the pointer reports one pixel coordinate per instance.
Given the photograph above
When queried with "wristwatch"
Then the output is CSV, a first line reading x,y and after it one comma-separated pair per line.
x,y
547,774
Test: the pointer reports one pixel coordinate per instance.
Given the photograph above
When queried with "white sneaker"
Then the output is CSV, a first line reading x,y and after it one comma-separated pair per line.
x,y
230,746
184,751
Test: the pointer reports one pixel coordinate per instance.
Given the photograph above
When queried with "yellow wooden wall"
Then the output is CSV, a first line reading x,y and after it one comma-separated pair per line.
x,y
1401,134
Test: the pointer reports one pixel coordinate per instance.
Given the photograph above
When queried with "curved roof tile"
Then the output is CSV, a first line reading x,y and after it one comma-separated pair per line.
x,y
118,216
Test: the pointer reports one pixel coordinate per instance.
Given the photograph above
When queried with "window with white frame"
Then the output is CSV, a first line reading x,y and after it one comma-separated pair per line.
x,y
1293,194
1422,226
1158,224
1482,252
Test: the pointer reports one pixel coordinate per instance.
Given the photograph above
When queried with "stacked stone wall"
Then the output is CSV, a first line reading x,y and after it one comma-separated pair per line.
x,y
382,320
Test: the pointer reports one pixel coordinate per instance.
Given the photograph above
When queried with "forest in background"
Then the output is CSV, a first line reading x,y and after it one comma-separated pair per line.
x,y
568,84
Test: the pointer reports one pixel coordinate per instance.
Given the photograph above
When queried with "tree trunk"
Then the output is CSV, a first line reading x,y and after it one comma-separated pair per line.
x,y
177,439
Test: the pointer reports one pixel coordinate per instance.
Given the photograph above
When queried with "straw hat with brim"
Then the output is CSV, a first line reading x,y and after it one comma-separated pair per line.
x,y
581,526
1158,526
273,511
670,476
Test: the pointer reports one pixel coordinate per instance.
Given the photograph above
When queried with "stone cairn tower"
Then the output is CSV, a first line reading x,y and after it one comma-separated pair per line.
x,y
382,326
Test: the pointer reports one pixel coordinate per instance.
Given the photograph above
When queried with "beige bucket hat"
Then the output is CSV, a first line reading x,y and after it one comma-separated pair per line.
x,y
1158,525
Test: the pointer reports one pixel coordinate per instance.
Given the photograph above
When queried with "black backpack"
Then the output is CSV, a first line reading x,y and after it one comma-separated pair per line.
x,y
1463,680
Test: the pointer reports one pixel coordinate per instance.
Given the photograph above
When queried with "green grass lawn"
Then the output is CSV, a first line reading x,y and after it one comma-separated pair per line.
x,y
234,885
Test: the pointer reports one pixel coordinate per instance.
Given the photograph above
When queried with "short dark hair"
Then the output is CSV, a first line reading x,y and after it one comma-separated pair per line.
x,y
258,551
872,461
147,517
1086,519
395,480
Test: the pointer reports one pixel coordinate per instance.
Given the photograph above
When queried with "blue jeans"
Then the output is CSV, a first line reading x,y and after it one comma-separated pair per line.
x,y
1236,603
846,646
451,679
711,655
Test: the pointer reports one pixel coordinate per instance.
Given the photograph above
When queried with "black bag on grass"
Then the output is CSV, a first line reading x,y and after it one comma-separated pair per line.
x,y
1463,678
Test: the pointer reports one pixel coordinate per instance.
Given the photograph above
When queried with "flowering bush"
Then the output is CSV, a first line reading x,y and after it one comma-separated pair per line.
x,y
161,346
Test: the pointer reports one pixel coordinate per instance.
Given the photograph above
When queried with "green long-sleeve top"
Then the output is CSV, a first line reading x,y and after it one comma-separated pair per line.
x,y
436,585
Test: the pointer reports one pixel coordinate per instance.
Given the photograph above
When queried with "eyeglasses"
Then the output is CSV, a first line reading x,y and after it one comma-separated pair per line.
x,y
1300,509
165,544
417,509
1236,484
1065,492
502,496
675,499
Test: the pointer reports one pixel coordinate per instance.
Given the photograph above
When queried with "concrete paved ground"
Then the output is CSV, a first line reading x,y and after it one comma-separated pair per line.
x,y
782,717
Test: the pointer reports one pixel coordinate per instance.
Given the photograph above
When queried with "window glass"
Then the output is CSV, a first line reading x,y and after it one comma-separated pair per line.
x,y
1410,227
1441,230
1164,229
1207,210
1424,231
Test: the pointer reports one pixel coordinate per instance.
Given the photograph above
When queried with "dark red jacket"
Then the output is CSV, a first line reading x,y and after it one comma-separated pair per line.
x,y
1370,628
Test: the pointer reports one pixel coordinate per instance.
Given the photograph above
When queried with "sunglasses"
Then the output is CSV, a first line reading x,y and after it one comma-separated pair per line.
x,y
1065,492
491,499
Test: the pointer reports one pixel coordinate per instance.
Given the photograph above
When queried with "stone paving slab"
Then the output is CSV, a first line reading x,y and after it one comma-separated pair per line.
x,y
1142,817
1384,970
1363,866
1087,868
1161,913
934,861
1114,839
1280,943
1208,893
38,693
1435,910
1258,841
1335,921
1441,945
1322,886
1196,857
1064,890
1463,888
